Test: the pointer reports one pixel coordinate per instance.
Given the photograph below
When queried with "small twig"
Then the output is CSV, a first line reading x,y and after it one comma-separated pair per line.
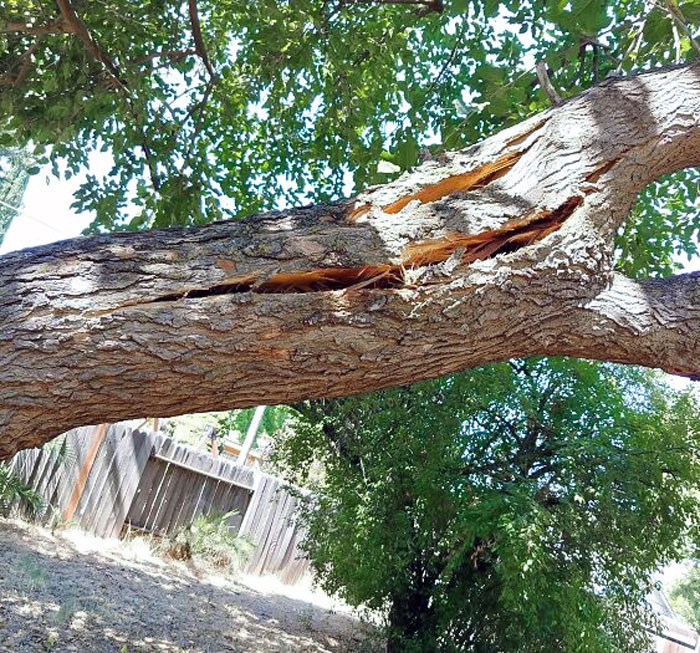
x,y
165,54
328,17
436,6
546,84
427,6
54,27
634,45
676,41
389,2
200,48
596,64
72,19
448,62
77,26
196,112
151,165
583,45
8,80
677,15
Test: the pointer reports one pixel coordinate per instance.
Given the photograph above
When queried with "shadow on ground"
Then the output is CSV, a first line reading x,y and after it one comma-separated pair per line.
x,y
55,598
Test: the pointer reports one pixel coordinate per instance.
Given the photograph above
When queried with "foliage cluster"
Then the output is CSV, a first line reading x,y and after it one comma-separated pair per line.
x,y
516,507
212,108
12,489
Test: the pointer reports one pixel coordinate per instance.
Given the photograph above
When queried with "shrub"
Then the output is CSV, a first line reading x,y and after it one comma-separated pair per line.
x,y
13,489
211,537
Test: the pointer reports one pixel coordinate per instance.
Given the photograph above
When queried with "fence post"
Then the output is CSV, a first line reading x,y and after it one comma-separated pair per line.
x,y
74,500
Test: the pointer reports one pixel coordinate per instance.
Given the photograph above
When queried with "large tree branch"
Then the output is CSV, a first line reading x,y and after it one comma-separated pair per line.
x,y
655,323
77,27
501,250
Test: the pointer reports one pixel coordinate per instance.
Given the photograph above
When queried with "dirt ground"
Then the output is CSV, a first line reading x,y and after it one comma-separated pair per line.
x,y
73,592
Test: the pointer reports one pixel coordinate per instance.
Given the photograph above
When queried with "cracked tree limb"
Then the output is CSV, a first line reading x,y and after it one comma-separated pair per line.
x,y
500,250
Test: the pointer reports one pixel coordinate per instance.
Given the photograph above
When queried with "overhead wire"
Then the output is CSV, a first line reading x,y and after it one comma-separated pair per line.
x,y
19,211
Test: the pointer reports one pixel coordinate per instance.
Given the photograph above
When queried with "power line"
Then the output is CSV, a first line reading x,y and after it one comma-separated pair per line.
x,y
22,212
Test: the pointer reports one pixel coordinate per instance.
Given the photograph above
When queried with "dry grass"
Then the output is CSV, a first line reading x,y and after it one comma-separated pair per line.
x,y
73,592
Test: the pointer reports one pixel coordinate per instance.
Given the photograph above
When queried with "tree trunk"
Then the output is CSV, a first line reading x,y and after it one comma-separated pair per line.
x,y
411,625
503,249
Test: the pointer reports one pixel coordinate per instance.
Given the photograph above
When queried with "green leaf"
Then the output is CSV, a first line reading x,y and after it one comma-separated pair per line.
x,y
407,151
691,11
658,28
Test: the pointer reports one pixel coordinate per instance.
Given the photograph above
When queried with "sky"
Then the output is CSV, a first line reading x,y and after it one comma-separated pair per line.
x,y
46,215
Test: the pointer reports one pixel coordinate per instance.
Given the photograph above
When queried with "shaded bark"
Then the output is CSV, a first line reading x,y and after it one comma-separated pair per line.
x,y
500,250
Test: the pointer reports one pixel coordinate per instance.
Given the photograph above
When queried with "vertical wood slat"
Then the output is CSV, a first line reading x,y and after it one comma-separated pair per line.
x,y
158,498
94,498
129,458
146,486
136,451
270,522
77,447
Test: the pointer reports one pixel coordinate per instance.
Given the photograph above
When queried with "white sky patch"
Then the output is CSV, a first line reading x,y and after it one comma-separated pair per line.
x,y
46,215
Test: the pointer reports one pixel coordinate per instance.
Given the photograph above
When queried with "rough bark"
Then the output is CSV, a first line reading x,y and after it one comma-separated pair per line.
x,y
500,250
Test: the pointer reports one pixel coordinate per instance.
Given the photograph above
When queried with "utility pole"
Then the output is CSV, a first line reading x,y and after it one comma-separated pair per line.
x,y
250,436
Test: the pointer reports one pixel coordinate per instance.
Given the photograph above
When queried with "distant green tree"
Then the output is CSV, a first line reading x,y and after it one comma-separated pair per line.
x,y
15,166
237,422
518,507
685,596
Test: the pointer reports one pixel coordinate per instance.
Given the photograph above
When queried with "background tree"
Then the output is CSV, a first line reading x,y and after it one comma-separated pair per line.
x,y
237,422
684,595
15,167
517,507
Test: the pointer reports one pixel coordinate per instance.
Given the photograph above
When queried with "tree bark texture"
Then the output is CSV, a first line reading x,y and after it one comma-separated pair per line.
x,y
500,250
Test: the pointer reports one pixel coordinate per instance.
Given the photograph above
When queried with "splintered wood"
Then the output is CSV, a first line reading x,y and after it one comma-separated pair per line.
x,y
508,238
471,180
511,236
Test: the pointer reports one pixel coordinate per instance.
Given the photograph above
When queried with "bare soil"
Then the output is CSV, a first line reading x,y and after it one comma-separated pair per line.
x,y
71,592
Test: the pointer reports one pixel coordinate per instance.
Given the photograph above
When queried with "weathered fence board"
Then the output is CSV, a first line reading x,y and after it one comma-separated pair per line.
x,y
271,525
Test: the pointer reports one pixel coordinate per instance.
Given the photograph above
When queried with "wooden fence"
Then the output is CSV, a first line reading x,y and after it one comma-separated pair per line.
x,y
107,478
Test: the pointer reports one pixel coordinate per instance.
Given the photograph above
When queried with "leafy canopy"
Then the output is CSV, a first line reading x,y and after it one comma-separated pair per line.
x,y
518,506
214,108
